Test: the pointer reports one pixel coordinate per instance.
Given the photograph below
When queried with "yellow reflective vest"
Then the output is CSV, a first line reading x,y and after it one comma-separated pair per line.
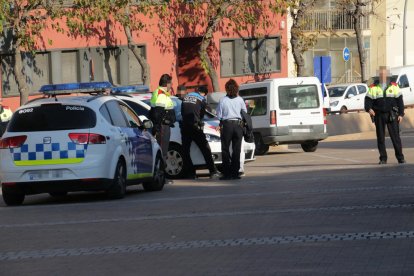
x,y
384,101
161,98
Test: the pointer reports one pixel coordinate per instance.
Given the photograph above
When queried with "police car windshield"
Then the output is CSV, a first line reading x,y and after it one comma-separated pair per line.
x,y
49,117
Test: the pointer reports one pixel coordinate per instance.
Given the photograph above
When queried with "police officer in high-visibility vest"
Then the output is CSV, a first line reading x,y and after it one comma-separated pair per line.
x,y
162,114
384,102
193,109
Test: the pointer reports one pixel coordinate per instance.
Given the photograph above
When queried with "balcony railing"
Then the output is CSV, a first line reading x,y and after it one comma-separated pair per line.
x,y
336,20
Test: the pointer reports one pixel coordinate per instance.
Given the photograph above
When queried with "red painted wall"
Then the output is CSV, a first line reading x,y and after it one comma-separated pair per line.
x,y
162,46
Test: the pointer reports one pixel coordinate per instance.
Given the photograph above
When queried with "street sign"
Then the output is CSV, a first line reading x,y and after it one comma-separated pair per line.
x,y
322,68
346,54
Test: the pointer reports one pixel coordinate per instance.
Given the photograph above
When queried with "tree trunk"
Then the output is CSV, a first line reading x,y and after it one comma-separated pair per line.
x,y
295,42
298,40
208,36
207,64
357,15
146,74
20,79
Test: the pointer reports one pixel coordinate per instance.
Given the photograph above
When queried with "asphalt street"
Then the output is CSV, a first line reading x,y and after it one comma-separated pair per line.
x,y
332,212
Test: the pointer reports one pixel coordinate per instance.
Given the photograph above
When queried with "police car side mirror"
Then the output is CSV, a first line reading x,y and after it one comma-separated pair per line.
x,y
350,96
147,124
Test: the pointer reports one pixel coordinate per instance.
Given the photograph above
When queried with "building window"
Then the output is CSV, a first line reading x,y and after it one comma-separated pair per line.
x,y
36,72
70,66
250,56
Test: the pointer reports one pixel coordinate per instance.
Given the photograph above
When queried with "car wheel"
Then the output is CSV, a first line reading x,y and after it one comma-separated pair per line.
x,y
261,147
158,177
11,198
310,146
343,110
175,163
117,188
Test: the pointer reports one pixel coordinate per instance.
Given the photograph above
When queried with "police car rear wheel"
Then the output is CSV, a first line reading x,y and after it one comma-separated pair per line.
x,y
310,146
118,186
12,199
158,178
175,163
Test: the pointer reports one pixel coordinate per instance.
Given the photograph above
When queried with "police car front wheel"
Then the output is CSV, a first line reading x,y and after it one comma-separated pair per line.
x,y
118,186
158,178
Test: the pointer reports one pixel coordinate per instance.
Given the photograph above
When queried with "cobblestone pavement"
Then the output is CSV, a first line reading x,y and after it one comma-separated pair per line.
x,y
332,212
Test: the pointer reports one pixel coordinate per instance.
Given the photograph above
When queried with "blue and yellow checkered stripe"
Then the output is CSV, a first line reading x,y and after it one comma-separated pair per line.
x,y
48,154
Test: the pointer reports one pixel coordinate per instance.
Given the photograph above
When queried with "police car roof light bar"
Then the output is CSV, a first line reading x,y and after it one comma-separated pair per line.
x,y
130,89
71,88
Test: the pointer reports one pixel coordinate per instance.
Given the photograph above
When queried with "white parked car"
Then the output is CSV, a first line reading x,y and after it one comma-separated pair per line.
x,y
345,97
175,163
95,142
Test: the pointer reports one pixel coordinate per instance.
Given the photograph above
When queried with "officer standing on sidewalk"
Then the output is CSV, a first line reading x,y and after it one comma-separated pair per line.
x,y
162,115
229,113
384,102
192,110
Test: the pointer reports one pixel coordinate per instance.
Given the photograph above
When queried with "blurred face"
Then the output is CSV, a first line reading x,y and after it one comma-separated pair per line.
x,y
383,74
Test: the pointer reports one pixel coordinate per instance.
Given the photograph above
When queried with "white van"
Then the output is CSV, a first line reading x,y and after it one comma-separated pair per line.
x,y
405,80
286,111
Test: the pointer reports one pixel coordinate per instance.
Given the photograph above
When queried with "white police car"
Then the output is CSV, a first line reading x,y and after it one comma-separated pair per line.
x,y
137,97
174,166
95,142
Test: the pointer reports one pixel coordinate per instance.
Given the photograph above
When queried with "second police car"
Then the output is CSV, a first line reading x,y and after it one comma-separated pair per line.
x,y
95,142
138,97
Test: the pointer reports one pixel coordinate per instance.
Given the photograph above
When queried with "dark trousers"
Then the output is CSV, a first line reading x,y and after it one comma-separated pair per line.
x,y
382,120
162,134
189,134
231,132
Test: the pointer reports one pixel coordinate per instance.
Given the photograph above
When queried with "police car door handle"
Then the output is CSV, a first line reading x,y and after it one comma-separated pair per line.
x,y
316,112
282,114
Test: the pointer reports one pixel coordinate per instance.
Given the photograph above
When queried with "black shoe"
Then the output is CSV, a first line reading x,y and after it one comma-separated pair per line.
x,y
402,161
169,181
236,177
225,177
382,162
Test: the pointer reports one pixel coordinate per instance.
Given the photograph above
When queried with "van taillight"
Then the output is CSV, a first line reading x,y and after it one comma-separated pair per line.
x,y
87,138
325,112
273,119
12,142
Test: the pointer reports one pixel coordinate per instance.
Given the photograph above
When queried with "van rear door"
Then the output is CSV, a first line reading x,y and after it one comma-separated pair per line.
x,y
257,103
300,108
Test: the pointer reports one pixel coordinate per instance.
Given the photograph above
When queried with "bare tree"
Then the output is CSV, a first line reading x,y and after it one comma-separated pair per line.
x,y
84,16
239,14
299,41
25,21
357,9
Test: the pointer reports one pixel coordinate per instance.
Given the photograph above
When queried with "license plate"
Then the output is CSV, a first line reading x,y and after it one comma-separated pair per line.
x,y
300,130
45,174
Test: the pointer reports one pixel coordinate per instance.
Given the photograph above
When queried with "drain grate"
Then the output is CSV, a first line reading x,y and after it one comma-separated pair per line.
x,y
277,240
